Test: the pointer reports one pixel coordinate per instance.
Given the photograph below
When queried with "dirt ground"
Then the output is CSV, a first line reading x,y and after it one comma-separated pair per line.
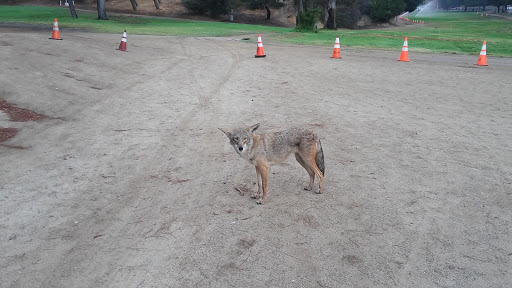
x,y
127,182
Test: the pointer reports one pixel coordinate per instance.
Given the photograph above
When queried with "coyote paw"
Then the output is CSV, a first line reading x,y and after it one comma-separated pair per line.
x,y
260,201
255,196
307,188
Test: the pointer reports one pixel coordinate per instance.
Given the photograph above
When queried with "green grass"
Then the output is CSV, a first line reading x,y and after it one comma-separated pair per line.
x,y
448,32
135,25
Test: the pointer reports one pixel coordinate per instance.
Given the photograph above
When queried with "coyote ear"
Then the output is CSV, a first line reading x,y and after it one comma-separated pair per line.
x,y
226,131
253,128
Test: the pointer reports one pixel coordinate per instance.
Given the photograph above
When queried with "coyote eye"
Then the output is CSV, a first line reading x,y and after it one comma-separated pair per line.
x,y
235,138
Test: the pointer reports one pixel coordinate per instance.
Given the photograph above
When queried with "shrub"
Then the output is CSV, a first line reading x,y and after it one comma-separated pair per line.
x,y
383,10
307,19
347,16
213,8
260,4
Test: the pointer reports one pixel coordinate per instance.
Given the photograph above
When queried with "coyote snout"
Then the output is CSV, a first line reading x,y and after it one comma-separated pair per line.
x,y
262,150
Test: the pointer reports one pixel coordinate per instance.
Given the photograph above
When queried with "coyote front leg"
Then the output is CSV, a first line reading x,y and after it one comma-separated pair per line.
x,y
262,167
258,194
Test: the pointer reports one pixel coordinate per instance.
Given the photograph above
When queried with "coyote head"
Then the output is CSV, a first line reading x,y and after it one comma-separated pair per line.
x,y
240,138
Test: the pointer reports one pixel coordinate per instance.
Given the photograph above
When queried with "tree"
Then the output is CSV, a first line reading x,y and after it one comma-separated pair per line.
x,y
72,9
383,10
330,15
411,5
102,13
134,4
500,3
265,4
213,8
299,8
348,12
307,19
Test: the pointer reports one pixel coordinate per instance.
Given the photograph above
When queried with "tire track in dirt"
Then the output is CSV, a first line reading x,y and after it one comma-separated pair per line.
x,y
159,164
205,101
101,219
172,159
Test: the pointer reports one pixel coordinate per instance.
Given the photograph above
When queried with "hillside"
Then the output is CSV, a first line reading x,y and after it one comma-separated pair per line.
x,y
284,17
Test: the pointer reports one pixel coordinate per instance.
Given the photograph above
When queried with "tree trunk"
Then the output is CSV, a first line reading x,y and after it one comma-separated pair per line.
x,y
331,20
102,13
156,4
299,7
134,4
72,9
268,12
330,15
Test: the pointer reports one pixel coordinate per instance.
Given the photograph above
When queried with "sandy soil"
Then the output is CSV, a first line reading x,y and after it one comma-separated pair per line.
x,y
127,182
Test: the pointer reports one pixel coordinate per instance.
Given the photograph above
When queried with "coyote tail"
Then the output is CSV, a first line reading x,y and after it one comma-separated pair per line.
x,y
320,158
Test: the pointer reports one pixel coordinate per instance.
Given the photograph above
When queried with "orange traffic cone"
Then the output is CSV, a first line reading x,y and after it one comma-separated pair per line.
x,y
55,33
405,52
336,50
259,50
482,59
122,45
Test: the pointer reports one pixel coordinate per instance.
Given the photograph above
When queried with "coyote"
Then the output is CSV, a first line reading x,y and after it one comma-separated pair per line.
x,y
261,150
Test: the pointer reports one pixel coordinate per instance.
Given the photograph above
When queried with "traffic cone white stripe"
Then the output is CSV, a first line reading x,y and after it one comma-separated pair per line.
x,y
484,50
260,43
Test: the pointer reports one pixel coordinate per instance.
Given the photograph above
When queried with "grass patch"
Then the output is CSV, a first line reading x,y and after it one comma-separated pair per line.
x,y
134,24
445,32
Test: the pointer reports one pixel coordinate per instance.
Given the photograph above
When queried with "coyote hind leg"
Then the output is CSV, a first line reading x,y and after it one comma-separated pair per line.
x,y
310,172
310,162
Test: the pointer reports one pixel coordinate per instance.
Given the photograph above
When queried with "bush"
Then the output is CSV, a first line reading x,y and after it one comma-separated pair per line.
x,y
383,10
307,19
347,16
260,4
213,8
